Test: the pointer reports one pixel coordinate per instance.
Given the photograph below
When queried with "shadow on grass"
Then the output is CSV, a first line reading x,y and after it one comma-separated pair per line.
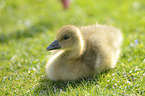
x,y
54,87
29,32
49,87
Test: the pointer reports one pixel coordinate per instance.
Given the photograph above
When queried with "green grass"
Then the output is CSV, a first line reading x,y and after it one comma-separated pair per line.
x,y
27,27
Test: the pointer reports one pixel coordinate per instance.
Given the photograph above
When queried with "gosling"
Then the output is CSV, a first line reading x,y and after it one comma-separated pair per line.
x,y
83,52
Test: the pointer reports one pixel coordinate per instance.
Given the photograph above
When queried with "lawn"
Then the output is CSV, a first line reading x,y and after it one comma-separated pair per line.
x,y
27,27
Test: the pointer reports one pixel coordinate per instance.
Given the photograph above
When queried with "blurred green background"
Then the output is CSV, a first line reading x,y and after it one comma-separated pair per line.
x,y
27,27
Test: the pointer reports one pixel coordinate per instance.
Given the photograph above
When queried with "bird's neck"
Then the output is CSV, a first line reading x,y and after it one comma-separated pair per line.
x,y
72,54
76,51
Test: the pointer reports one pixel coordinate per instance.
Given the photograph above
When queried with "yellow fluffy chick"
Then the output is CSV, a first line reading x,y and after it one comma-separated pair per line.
x,y
83,51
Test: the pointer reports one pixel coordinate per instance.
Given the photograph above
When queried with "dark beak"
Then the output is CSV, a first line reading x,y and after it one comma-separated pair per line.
x,y
53,45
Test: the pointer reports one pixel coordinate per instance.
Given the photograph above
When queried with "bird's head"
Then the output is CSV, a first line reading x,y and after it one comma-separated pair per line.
x,y
68,38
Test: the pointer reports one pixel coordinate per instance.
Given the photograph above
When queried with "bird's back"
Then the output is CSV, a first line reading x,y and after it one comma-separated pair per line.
x,y
102,46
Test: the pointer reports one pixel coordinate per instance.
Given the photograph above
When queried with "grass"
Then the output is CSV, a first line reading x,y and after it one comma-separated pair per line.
x,y
27,27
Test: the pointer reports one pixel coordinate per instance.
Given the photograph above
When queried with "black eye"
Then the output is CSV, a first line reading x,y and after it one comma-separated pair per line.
x,y
66,37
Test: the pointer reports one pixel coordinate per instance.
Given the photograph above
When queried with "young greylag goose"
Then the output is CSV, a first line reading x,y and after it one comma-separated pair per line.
x,y
83,51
